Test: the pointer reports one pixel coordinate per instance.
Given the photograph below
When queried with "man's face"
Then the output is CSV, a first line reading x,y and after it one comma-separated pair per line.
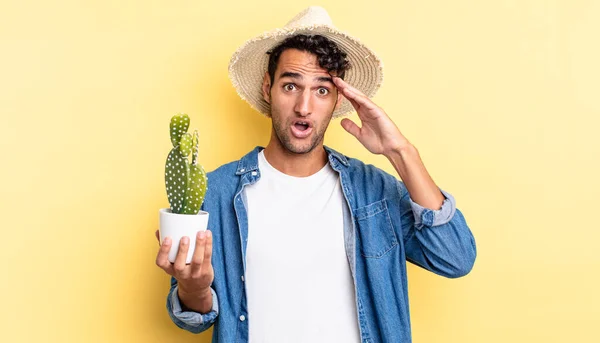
x,y
302,91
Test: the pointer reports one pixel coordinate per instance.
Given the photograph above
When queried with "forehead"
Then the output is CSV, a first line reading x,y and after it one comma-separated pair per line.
x,y
301,62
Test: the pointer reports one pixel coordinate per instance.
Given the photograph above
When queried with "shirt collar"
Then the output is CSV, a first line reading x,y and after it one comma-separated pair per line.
x,y
249,162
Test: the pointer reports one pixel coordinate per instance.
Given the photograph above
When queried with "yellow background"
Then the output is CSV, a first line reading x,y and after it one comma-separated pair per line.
x,y
501,98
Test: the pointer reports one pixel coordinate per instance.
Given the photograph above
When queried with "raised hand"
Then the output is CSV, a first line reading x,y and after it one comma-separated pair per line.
x,y
378,133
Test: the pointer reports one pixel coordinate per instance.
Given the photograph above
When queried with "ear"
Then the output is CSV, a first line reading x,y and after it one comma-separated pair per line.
x,y
266,88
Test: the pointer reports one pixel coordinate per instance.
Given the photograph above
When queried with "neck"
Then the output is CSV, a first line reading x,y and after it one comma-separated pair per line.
x,y
298,165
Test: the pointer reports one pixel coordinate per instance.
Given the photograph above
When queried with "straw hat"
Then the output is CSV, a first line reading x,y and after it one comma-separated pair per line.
x,y
249,63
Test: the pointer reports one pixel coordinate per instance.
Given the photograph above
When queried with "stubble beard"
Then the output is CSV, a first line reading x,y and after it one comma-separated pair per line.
x,y
282,131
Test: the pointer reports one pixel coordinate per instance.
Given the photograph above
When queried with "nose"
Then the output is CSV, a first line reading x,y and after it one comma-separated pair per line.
x,y
303,105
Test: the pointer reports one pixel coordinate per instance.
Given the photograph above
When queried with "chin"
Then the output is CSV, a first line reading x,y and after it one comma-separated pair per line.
x,y
299,149
303,147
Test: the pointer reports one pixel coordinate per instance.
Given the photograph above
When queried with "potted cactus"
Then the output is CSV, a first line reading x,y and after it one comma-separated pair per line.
x,y
186,186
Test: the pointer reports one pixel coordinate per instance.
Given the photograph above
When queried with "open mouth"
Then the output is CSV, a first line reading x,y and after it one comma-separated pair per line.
x,y
301,129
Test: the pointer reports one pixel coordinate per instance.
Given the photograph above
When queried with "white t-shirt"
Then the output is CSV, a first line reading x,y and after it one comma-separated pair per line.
x,y
298,279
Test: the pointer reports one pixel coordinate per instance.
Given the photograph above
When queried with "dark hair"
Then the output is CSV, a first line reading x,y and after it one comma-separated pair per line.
x,y
329,55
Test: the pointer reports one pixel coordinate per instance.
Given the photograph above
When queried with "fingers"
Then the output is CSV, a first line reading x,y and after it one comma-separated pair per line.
x,y
180,259
356,97
201,259
157,236
358,100
162,259
344,85
198,257
208,248
351,127
203,254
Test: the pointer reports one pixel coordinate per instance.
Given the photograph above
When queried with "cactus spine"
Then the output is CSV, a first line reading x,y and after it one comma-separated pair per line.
x,y
186,182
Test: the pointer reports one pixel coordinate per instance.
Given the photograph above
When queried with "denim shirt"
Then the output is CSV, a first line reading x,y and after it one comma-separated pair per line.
x,y
383,228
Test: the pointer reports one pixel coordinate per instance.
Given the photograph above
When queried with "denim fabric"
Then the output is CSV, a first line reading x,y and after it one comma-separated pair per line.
x,y
383,228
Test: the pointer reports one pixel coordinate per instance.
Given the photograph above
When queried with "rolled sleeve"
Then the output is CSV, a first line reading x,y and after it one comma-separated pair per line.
x,y
428,217
189,320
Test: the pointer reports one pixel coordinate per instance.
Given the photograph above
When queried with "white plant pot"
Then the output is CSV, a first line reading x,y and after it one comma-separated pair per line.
x,y
177,226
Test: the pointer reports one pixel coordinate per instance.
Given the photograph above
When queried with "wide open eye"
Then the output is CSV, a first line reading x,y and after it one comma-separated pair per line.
x,y
323,91
289,87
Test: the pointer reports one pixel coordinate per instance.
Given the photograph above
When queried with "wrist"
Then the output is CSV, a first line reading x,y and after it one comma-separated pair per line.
x,y
406,161
196,294
197,301
401,152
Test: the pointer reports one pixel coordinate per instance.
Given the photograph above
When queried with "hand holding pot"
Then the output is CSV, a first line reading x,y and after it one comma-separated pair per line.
x,y
193,279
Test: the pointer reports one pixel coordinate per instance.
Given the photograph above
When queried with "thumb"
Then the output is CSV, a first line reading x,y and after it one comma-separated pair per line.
x,y
351,127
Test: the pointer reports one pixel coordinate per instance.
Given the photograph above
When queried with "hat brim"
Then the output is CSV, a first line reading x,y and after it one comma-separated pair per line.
x,y
249,63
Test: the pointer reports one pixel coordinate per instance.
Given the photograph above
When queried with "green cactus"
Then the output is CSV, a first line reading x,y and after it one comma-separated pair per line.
x,y
186,183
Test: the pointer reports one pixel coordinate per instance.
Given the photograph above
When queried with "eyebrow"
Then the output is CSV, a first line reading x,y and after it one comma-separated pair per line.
x,y
300,77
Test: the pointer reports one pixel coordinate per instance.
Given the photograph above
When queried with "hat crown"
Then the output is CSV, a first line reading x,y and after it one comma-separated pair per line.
x,y
313,15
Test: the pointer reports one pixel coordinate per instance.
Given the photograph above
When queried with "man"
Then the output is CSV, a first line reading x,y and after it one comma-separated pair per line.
x,y
306,244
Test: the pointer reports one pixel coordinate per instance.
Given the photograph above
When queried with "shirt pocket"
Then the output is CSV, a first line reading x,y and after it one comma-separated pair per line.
x,y
375,231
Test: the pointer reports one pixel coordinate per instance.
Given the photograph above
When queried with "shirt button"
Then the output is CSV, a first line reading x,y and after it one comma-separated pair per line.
x,y
242,170
254,173
242,277
242,318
